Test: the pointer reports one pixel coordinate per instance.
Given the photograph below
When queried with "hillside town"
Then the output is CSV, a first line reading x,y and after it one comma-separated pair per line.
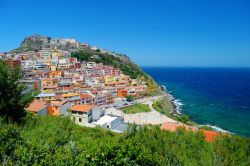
x,y
67,87
91,94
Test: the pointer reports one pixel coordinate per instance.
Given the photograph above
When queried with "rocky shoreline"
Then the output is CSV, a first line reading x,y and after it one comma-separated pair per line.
x,y
176,104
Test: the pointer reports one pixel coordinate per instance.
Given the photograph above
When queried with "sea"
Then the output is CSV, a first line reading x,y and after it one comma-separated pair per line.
x,y
217,97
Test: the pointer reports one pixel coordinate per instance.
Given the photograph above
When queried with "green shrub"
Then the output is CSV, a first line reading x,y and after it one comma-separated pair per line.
x,y
58,141
137,108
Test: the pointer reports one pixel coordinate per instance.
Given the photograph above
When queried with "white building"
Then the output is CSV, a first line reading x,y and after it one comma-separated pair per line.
x,y
108,122
45,53
85,114
91,64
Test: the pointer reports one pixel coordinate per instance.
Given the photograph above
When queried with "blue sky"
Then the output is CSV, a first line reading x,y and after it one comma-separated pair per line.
x,y
152,32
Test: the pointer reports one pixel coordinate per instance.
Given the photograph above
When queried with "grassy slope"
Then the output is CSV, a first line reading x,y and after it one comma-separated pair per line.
x,y
57,141
164,106
137,108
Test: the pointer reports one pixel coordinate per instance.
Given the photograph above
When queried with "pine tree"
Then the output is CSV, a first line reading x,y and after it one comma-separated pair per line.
x,y
13,97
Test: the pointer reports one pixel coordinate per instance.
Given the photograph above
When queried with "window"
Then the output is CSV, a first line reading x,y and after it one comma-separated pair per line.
x,y
80,119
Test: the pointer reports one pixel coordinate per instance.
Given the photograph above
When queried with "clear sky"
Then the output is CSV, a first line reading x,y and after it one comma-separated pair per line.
x,y
151,32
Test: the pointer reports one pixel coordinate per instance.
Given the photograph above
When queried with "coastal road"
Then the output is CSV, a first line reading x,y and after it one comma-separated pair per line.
x,y
123,104
153,117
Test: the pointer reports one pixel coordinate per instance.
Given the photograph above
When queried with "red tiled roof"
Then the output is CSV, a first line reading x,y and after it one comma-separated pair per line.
x,y
59,103
210,135
173,126
82,108
36,106
84,96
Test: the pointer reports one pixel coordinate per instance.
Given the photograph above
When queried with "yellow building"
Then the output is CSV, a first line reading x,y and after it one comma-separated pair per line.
x,y
48,83
56,53
68,95
109,79
54,74
52,67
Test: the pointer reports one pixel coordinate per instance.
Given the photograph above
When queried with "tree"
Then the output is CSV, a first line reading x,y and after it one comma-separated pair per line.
x,y
13,97
129,98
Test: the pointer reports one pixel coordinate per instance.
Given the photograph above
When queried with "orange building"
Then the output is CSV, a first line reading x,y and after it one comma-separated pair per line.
x,y
58,108
122,93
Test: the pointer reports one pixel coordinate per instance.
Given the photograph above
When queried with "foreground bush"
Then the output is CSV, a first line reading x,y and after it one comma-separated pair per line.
x,y
57,141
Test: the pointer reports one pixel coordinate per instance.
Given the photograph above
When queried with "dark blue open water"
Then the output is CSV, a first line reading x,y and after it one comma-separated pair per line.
x,y
213,96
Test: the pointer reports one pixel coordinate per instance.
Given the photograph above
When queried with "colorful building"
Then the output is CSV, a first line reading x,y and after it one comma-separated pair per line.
x,y
46,97
122,93
82,114
59,108
48,83
37,107
109,80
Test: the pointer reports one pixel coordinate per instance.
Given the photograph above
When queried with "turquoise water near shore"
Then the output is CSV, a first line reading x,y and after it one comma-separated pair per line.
x,y
210,96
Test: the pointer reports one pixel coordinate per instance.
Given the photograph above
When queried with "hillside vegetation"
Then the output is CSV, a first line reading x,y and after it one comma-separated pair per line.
x,y
163,106
58,141
119,61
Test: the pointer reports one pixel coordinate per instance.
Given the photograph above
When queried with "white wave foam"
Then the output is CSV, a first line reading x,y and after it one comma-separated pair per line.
x,y
178,105
178,102
217,128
